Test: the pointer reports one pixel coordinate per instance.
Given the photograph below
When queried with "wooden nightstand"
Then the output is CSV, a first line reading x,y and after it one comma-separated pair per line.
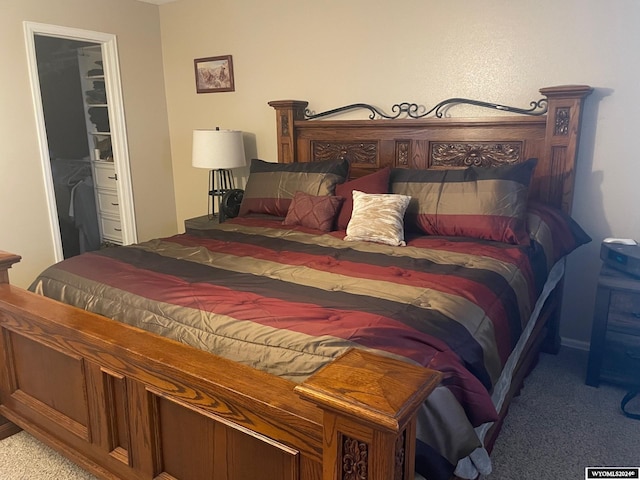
x,y
614,355
203,222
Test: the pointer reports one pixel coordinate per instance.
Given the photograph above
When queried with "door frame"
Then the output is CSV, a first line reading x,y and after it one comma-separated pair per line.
x,y
116,119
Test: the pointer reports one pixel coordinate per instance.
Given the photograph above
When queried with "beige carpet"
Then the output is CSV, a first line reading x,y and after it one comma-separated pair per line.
x,y
559,426
22,457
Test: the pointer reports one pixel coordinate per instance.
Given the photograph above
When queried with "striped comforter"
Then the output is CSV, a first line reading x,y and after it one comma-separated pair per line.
x,y
288,300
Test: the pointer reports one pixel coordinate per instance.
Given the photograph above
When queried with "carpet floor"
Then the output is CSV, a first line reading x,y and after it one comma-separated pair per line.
x,y
559,426
555,428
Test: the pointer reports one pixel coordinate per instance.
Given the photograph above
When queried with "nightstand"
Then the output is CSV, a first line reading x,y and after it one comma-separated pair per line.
x,y
203,222
228,208
614,355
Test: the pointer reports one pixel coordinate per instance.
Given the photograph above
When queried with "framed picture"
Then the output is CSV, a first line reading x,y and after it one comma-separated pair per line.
x,y
214,74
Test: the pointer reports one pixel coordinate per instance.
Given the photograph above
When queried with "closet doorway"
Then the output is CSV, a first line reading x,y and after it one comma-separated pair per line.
x,y
77,98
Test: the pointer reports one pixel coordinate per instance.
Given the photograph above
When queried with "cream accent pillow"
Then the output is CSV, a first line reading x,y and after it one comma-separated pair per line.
x,y
378,217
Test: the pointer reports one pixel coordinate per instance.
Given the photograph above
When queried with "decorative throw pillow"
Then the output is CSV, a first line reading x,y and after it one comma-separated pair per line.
x,y
271,186
554,231
312,211
377,182
378,218
487,203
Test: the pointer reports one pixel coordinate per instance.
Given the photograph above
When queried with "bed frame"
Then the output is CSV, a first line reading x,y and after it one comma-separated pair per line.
x,y
124,403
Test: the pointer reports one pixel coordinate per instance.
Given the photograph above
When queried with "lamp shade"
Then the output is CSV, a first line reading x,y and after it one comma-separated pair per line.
x,y
218,149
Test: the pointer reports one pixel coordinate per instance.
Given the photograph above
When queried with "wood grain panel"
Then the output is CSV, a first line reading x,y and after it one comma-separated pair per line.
x,y
187,440
68,398
109,414
181,456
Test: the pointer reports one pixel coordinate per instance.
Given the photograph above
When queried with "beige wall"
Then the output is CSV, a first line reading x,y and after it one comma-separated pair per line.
x,y
23,209
331,53
334,52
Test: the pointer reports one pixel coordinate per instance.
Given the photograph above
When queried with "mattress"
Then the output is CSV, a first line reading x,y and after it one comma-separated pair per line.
x,y
288,300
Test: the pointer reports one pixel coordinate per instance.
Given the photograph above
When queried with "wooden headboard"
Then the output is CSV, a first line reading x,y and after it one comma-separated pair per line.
x,y
549,131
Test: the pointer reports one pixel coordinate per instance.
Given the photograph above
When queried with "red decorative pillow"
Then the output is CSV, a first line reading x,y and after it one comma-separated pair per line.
x,y
377,182
312,211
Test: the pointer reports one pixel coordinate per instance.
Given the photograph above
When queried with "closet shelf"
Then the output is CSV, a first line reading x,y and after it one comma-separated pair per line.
x,y
99,139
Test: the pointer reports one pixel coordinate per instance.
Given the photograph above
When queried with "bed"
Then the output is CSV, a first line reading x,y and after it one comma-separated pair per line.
x,y
293,342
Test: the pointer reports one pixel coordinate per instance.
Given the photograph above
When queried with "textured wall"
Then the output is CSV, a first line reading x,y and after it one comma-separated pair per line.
x,y
336,52
23,204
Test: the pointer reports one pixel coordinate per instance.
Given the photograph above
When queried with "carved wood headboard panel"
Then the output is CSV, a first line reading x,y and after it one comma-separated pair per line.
x,y
548,131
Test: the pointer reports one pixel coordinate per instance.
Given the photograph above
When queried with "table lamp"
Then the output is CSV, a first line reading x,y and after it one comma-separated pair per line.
x,y
219,151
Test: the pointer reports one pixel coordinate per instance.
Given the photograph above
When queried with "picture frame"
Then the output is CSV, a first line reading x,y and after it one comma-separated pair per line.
x,y
214,74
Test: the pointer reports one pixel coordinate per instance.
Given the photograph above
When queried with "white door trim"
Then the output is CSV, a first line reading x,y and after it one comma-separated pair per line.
x,y
116,118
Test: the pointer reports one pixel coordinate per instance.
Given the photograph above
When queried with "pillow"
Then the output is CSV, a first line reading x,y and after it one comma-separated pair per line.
x,y
554,231
487,203
377,182
271,186
312,211
377,218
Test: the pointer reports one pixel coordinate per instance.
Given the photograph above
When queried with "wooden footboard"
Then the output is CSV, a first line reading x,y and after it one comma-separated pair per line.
x,y
124,403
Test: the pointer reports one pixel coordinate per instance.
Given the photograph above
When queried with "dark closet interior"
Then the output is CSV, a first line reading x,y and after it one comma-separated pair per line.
x,y
63,109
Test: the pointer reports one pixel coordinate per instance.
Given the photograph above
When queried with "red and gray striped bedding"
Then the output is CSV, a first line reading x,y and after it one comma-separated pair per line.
x,y
288,300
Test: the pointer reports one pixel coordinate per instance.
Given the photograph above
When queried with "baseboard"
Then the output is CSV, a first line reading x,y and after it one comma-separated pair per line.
x,y
7,428
573,343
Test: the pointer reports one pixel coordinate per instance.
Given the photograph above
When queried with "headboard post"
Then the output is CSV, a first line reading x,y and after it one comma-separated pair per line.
x,y
287,111
6,262
561,142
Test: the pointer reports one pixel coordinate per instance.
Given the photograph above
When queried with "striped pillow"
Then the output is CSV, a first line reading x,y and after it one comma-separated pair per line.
x,y
487,203
271,186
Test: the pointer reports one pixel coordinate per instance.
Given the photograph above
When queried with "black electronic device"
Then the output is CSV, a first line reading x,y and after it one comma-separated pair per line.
x,y
621,254
230,203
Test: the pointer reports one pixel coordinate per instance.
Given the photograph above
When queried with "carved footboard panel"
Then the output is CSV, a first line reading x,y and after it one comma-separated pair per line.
x,y
127,404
